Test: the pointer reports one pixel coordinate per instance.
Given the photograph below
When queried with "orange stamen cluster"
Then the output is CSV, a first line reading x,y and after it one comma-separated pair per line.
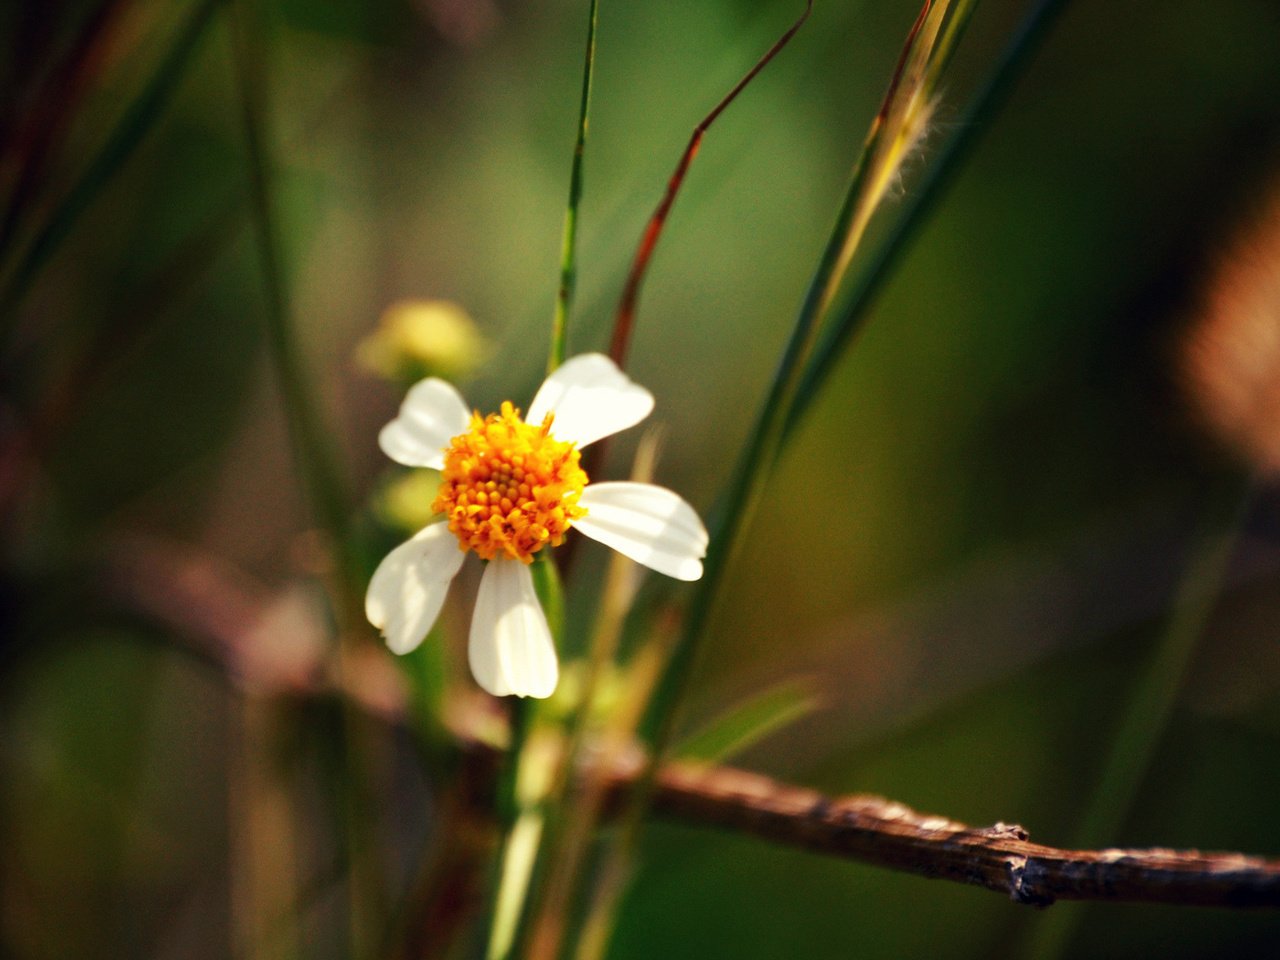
x,y
509,488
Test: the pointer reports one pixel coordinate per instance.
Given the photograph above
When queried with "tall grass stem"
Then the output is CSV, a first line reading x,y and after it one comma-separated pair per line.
x,y
317,464
851,310
568,246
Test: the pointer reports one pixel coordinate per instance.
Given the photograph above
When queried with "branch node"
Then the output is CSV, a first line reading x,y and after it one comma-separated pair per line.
x,y
1020,889
1006,831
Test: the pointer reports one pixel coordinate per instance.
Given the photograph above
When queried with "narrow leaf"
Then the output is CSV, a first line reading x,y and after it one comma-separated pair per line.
x,y
124,139
749,722
624,322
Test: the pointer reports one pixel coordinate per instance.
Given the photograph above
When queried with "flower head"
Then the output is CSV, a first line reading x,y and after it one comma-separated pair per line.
x,y
510,487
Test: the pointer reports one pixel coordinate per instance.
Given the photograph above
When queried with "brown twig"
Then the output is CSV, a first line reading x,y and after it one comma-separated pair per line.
x,y
624,321
861,827
884,833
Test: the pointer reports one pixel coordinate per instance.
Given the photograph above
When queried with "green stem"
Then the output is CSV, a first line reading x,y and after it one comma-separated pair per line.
x,y
568,247
791,389
317,465
851,315
738,504
313,452
731,519
523,790
121,143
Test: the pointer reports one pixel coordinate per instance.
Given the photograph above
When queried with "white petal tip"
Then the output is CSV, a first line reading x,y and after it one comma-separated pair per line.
x,y
400,645
688,570
511,651
538,691
408,588
534,688
647,523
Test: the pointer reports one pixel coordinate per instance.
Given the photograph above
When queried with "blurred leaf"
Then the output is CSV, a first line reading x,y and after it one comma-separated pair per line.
x,y
124,139
175,400
749,722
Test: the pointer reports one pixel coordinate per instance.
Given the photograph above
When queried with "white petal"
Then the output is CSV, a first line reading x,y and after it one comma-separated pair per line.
x,y
432,414
408,588
591,398
647,523
511,650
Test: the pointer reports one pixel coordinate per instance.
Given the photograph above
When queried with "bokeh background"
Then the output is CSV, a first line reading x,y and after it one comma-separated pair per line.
x,y
969,551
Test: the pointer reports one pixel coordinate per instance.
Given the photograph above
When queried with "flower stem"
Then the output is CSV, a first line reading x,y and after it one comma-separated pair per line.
x,y
576,802
533,759
568,247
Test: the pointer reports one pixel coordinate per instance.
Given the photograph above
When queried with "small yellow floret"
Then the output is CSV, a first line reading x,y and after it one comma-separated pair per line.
x,y
422,338
509,488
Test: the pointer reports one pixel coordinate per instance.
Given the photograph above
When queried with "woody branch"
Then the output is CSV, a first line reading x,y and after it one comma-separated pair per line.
x,y
1000,857
214,610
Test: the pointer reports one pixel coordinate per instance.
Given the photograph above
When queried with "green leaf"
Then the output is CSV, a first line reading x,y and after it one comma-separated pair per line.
x,y
749,722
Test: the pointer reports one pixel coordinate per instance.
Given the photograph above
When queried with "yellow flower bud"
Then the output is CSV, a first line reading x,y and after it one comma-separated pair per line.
x,y
422,338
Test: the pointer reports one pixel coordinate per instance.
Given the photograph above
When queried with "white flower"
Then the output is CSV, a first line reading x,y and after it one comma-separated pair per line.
x,y
510,487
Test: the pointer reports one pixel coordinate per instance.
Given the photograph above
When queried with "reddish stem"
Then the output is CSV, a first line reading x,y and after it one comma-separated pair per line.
x,y
624,322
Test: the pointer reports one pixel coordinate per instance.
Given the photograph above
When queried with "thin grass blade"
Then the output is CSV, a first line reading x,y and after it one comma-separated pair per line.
x,y
850,312
123,141
624,320
568,247
1146,716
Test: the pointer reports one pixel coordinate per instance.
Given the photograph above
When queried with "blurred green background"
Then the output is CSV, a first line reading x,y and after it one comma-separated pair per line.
x,y
970,548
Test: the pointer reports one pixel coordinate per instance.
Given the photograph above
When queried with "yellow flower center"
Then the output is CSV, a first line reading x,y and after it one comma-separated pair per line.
x,y
509,488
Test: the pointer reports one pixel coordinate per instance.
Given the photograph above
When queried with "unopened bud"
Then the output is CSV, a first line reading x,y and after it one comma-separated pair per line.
x,y
423,338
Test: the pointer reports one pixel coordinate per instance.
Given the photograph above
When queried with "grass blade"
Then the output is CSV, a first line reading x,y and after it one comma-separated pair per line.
x,y
851,313
123,140
568,255
1146,716
748,723
43,128
746,485
737,504
326,491
315,456
624,321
